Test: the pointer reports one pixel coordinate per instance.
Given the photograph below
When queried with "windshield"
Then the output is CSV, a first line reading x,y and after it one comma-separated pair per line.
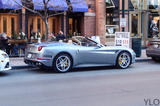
x,y
85,41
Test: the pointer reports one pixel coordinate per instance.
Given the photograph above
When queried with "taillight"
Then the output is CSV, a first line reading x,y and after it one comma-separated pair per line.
x,y
40,48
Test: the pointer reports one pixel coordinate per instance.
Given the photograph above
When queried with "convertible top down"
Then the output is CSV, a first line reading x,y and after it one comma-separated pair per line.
x,y
78,52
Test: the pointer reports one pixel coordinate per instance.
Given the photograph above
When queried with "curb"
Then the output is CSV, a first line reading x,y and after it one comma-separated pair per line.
x,y
26,66
143,60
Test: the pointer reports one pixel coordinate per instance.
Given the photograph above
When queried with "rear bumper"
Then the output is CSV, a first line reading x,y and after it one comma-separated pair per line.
x,y
38,63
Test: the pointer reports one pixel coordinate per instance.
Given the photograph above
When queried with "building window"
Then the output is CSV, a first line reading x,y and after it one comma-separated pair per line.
x,y
5,24
112,17
134,27
135,4
39,25
153,25
12,25
154,4
109,3
54,26
31,28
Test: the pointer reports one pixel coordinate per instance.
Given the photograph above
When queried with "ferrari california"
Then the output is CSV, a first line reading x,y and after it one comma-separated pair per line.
x,y
77,52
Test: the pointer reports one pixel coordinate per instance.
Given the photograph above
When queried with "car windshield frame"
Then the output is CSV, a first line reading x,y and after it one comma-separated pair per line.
x,y
88,42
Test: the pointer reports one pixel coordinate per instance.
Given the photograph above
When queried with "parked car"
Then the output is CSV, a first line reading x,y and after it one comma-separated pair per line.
x,y
4,61
153,49
78,52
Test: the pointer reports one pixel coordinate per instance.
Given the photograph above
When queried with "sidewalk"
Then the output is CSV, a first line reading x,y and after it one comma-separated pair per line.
x,y
143,57
18,62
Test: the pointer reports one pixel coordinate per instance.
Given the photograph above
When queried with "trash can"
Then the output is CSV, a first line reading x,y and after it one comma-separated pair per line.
x,y
137,46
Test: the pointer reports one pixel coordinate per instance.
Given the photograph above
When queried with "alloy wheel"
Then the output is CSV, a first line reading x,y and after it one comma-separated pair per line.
x,y
124,60
63,63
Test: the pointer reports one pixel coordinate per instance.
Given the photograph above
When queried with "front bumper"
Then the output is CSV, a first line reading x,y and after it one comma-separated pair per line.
x,y
5,66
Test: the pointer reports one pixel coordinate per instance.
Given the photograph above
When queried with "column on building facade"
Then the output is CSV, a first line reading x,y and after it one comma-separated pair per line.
x,y
101,19
88,25
64,21
88,22
23,20
145,22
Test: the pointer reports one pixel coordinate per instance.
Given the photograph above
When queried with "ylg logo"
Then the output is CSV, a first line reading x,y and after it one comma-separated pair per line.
x,y
152,102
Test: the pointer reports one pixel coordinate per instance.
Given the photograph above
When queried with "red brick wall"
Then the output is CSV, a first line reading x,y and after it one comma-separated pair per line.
x,y
88,26
101,20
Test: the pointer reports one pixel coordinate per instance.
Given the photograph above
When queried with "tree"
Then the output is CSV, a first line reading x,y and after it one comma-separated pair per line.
x,y
47,8
44,14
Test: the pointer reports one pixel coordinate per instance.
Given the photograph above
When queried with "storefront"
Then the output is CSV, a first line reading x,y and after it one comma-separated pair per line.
x,y
9,23
74,19
114,16
144,20
9,19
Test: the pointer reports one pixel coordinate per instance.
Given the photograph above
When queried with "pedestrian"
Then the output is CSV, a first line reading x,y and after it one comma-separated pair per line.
x,y
51,37
155,31
4,43
60,36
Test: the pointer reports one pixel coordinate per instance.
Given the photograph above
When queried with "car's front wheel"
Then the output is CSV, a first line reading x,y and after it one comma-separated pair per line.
x,y
123,60
62,63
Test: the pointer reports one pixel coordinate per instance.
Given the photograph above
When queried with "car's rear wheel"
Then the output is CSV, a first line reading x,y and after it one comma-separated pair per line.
x,y
62,63
123,60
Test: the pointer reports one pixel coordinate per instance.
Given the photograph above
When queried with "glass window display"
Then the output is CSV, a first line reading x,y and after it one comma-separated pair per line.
x,y
153,25
111,29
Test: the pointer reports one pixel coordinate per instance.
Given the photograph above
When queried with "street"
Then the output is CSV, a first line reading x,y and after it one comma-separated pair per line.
x,y
102,86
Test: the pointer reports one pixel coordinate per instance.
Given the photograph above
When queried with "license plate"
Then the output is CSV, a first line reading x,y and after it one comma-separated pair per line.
x,y
29,55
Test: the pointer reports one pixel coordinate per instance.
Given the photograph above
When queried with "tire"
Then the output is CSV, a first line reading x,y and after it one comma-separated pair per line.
x,y
62,63
156,59
123,60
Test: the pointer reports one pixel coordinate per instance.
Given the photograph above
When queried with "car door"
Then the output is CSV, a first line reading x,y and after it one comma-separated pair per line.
x,y
92,55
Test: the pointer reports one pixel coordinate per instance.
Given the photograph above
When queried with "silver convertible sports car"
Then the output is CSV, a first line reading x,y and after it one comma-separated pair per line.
x,y
77,52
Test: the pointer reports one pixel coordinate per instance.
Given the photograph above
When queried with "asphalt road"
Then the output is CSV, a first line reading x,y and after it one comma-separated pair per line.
x,y
138,85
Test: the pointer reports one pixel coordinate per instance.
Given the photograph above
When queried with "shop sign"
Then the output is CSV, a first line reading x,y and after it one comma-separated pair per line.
x,y
123,22
122,39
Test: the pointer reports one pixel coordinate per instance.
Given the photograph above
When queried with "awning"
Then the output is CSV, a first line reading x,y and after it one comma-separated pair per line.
x,y
57,5
10,4
79,6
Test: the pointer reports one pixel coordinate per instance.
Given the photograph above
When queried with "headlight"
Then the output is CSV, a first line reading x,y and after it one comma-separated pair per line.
x,y
5,55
